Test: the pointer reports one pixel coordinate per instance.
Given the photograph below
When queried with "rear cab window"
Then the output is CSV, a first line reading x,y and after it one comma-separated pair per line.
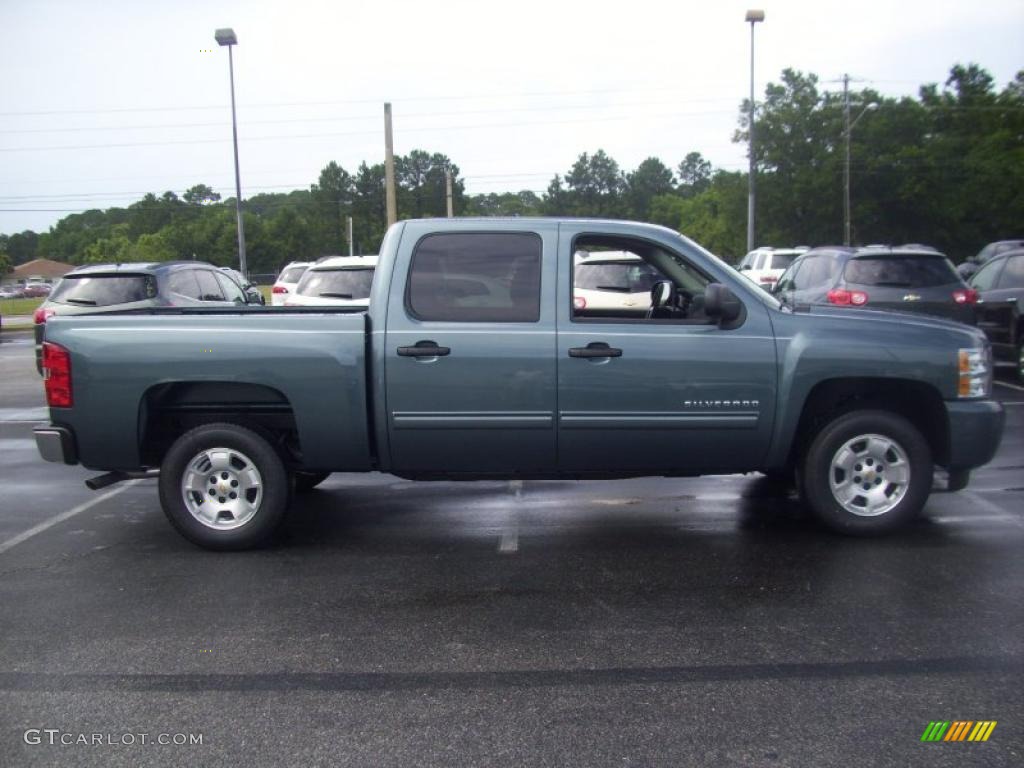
x,y
476,277
901,271
101,290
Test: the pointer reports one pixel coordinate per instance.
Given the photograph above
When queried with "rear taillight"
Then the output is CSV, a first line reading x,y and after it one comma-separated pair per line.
x,y
57,375
40,315
279,289
843,298
966,296
579,302
768,279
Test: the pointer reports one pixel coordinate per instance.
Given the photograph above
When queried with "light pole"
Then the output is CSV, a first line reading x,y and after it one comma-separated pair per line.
x,y
752,17
846,163
227,37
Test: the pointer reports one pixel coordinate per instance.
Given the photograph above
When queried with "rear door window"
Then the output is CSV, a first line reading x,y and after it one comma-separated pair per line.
x,y
291,275
476,277
782,260
901,271
183,283
337,283
816,272
1013,273
104,290
209,288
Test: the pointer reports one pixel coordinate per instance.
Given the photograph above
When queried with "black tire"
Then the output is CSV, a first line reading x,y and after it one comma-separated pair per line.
x,y
818,474
1020,361
263,509
307,481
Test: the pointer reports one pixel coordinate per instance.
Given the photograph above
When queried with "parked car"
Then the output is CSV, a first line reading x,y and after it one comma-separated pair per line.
x,y
252,292
1000,287
436,381
975,262
115,287
286,282
339,281
765,265
906,278
612,282
11,292
35,290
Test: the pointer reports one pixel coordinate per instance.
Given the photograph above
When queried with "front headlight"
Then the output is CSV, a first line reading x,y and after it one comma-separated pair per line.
x,y
975,370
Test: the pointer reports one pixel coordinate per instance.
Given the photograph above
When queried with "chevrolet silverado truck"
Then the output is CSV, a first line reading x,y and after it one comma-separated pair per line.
x,y
476,359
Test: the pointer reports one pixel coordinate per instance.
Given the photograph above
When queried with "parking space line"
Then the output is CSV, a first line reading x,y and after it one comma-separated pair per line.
x,y
989,506
46,524
509,543
1010,386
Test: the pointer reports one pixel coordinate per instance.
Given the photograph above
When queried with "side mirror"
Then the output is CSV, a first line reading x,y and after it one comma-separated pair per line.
x,y
721,303
253,296
662,294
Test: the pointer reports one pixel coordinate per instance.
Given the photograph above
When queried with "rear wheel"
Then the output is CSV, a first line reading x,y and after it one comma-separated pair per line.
x,y
1020,361
867,472
224,487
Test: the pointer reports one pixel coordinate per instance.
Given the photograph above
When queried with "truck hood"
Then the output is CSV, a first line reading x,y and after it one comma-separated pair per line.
x,y
893,319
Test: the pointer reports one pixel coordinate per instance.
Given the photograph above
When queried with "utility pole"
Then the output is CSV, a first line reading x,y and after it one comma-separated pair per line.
x,y
448,190
351,247
846,162
753,17
389,167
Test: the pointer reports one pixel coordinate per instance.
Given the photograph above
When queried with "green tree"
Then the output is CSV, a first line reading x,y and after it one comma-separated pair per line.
x,y
694,174
650,179
332,199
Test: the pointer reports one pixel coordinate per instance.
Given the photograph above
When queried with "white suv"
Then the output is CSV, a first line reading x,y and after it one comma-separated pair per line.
x,y
286,282
765,265
335,281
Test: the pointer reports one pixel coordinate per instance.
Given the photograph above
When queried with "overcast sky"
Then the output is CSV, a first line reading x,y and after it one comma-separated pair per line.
x,y
103,101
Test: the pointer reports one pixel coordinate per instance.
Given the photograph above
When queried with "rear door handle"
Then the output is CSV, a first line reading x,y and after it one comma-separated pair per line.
x,y
424,349
595,349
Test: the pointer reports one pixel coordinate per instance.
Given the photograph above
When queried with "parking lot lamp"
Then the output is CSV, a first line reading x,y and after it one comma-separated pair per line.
x,y
753,17
227,37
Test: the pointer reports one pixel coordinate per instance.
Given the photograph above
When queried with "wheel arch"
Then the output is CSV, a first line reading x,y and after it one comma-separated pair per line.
x,y
916,401
170,409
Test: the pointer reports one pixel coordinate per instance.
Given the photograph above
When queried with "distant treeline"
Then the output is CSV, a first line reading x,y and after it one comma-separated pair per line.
x,y
945,168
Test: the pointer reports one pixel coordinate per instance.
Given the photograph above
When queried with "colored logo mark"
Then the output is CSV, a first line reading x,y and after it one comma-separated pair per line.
x,y
958,730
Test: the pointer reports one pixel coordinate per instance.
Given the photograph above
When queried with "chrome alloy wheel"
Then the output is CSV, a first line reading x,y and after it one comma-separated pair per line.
x,y
222,488
869,475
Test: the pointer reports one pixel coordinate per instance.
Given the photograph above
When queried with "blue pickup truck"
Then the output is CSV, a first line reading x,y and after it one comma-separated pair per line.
x,y
477,359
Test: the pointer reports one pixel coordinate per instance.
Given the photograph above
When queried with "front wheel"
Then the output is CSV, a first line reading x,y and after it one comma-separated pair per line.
x,y
867,473
224,487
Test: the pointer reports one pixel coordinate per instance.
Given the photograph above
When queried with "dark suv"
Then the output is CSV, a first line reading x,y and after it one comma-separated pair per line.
x,y
1000,286
117,287
907,278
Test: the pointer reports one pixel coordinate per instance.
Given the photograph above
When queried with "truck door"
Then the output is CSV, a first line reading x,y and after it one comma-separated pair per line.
x,y
656,391
469,355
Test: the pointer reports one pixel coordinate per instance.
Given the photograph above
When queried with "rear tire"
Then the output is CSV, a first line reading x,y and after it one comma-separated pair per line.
x,y
867,473
224,487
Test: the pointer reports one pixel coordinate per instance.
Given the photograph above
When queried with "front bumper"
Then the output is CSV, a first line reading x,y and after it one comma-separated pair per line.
x,y
975,429
56,444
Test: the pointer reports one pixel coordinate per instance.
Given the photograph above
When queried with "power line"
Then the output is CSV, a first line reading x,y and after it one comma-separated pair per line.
x,y
494,94
343,134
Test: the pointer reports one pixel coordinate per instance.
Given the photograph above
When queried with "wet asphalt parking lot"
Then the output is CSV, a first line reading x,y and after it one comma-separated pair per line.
x,y
644,622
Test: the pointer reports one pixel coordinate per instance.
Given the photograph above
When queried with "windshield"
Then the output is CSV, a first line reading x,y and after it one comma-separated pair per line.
x,y
341,283
104,290
901,271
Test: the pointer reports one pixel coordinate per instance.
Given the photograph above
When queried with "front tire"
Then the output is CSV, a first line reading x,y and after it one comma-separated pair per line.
x,y
867,473
224,487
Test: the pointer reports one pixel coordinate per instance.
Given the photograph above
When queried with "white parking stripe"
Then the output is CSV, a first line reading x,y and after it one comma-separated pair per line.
x,y
64,516
1011,386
